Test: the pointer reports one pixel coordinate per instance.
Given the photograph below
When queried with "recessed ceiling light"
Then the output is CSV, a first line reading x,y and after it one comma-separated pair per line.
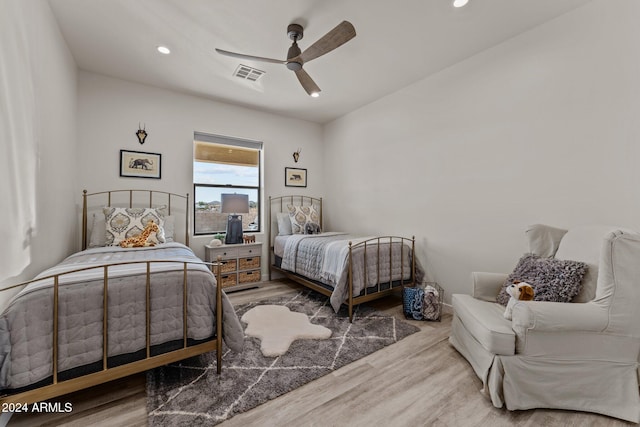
x,y
460,3
315,94
164,50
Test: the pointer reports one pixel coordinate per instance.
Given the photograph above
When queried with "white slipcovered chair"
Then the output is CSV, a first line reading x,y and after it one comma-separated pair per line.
x,y
579,356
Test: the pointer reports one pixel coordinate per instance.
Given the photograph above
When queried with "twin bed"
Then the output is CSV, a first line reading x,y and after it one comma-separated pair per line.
x,y
346,268
107,312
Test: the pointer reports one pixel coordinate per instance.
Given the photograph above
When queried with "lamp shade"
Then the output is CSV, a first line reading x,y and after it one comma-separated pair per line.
x,y
234,203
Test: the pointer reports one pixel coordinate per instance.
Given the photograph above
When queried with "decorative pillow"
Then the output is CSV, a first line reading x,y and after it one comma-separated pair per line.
x,y
284,224
300,216
552,279
311,228
123,223
168,229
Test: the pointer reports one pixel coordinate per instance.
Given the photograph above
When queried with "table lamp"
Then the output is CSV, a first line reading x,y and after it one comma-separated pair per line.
x,y
234,204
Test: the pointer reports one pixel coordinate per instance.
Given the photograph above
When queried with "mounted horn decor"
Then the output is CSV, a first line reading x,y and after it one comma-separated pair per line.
x,y
141,134
296,155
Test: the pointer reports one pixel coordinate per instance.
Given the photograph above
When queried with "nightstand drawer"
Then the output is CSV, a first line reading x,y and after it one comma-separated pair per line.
x,y
249,276
248,251
224,252
249,263
228,265
229,280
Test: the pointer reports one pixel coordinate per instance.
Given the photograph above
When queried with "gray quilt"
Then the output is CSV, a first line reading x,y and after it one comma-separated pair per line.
x,y
26,324
324,258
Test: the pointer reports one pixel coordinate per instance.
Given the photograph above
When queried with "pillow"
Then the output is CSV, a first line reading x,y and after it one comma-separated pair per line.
x,y
552,279
284,224
300,216
123,223
98,235
168,229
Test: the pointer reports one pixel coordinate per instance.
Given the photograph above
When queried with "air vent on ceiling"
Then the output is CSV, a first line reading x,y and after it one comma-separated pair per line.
x,y
248,73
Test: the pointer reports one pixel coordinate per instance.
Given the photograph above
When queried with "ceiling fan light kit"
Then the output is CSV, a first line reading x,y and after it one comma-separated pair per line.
x,y
296,58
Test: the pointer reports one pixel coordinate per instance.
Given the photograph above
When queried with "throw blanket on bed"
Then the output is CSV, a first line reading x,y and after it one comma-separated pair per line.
x,y
26,324
305,253
324,258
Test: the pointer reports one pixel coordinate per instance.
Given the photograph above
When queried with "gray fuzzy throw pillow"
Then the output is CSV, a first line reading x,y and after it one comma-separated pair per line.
x,y
552,279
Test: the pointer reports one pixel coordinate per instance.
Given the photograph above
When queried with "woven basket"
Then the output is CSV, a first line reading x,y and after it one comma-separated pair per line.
x,y
229,280
228,265
249,263
249,276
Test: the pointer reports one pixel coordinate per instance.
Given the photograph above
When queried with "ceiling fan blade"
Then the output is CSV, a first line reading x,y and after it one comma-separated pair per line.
x,y
249,57
341,34
307,82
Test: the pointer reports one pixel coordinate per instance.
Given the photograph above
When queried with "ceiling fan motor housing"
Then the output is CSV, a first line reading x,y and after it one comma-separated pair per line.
x,y
295,32
293,52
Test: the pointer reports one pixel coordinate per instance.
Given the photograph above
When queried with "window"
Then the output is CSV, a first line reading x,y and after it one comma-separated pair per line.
x,y
224,165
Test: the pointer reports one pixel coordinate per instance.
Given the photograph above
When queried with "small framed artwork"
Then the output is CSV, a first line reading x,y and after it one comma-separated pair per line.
x,y
294,177
138,164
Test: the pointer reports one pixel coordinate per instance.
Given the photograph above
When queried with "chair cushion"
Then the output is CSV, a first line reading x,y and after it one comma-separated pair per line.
x,y
485,321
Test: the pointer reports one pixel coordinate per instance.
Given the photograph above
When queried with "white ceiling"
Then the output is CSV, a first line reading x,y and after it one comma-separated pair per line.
x,y
397,43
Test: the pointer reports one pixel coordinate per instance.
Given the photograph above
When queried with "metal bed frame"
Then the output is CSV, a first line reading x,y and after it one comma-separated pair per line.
x,y
380,290
59,388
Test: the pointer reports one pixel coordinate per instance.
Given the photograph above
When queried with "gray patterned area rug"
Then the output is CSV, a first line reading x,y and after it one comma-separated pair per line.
x,y
190,393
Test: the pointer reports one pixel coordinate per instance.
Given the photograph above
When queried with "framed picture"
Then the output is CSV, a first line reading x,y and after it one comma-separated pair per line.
x,y
294,177
138,164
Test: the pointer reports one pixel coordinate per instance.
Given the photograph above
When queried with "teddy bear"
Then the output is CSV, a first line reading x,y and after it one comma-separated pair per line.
x,y
519,291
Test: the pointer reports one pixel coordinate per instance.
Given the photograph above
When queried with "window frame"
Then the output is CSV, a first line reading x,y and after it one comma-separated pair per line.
x,y
236,142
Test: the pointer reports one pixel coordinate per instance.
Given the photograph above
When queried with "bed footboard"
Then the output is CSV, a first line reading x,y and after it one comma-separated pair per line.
x,y
376,247
60,387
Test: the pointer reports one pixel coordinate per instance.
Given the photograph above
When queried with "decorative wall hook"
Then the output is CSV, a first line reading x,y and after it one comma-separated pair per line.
x,y
296,155
141,134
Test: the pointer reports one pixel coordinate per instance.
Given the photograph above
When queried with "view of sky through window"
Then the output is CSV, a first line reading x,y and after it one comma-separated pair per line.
x,y
219,174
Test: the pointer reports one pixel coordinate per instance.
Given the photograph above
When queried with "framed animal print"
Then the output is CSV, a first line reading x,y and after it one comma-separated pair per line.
x,y
294,177
138,164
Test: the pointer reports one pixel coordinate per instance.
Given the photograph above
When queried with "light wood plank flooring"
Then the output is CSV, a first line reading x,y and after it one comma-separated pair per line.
x,y
420,381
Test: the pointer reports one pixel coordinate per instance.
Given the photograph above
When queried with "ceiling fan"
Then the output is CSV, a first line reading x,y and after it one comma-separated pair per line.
x,y
341,34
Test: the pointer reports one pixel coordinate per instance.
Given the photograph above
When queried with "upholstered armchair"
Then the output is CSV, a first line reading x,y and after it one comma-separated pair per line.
x,y
581,355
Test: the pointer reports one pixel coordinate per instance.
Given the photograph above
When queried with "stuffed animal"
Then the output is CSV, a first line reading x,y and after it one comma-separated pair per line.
x,y
143,239
519,291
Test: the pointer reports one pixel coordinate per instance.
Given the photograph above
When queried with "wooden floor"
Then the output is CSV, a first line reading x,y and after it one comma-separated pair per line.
x,y
420,381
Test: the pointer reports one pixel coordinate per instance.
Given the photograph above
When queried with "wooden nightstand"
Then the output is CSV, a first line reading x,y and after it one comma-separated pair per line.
x,y
240,264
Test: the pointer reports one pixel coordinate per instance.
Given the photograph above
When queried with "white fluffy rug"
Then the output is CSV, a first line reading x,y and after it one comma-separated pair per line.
x,y
277,327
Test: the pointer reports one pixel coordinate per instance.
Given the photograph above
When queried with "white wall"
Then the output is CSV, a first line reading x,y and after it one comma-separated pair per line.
x,y
109,111
38,137
542,128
